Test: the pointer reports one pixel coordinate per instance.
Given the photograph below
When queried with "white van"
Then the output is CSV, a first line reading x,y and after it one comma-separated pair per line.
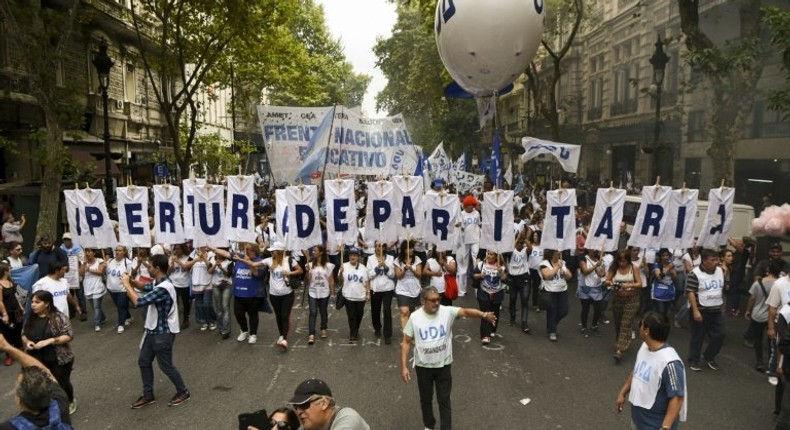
x,y
742,216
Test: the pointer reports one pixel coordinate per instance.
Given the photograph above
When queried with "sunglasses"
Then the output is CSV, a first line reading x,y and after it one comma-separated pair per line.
x,y
282,425
307,404
436,300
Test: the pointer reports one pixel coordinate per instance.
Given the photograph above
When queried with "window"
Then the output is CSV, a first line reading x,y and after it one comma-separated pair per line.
x,y
130,83
696,126
93,81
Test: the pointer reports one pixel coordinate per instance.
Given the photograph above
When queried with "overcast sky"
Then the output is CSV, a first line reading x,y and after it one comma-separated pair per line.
x,y
357,23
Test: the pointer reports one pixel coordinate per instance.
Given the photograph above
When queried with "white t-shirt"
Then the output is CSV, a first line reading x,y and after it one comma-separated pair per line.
x,y
518,263
433,336
780,293
278,283
201,278
470,225
180,277
760,310
535,257
93,283
218,276
408,285
557,283
114,271
354,279
381,278
433,266
319,280
59,289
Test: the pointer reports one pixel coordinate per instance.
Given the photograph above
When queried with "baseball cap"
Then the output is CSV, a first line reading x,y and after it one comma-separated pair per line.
x,y
353,250
776,245
308,389
66,236
277,246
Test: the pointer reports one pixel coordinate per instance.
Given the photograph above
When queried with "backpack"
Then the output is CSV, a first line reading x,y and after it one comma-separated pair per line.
x,y
55,423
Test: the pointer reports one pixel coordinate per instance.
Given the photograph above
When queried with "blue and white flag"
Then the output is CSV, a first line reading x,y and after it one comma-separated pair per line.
x,y
460,163
315,157
718,220
440,163
519,185
495,169
567,155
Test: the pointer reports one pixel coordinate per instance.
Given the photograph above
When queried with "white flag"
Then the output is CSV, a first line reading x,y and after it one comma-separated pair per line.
x,y
304,230
651,219
209,211
679,232
567,155
409,213
440,163
168,227
497,232
509,175
605,225
380,217
441,210
559,227
281,215
718,221
188,187
88,219
486,109
240,215
133,228
341,213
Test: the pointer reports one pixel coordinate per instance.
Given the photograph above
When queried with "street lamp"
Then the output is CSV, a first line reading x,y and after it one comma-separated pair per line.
x,y
659,62
103,64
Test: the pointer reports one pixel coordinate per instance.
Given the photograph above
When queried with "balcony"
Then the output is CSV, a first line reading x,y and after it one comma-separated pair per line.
x,y
622,108
594,113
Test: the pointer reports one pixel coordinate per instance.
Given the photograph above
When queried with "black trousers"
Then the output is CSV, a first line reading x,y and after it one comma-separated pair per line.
x,y
378,301
354,311
282,312
247,307
442,378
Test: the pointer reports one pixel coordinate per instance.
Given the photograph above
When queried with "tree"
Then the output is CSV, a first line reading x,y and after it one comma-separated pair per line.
x,y
415,81
40,34
778,21
732,70
556,43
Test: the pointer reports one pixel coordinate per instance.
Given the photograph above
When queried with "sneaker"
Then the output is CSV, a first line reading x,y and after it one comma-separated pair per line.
x,y
605,321
252,339
120,329
142,401
387,340
224,335
377,333
324,334
486,340
83,318
695,366
184,324
748,343
243,336
203,327
311,339
179,398
773,380
495,334
97,328
713,365
73,407
128,322
677,324
760,367
283,345
526,330
212,326
553,337
585,333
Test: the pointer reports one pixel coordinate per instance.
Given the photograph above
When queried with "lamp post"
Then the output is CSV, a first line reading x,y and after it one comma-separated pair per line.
x,y
103,64
659,62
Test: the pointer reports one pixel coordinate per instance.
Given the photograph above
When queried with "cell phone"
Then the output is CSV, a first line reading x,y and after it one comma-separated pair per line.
x,y
258,419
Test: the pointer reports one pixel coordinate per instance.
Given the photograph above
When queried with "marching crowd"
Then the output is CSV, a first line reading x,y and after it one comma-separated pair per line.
x,y
694,287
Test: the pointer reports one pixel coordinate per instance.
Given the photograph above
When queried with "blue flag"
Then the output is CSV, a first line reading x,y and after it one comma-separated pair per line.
x,y
495,170
314,158
519,185
420,160
483,164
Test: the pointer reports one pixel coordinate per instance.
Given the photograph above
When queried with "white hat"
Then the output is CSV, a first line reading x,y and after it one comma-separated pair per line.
x,y
157,250
277,246
66,235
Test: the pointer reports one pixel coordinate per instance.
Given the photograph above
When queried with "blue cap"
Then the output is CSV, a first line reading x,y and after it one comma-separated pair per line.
x,y
353,250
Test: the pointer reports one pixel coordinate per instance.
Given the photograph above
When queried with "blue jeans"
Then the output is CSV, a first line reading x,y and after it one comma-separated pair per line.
x,y
204,308
318,305
558,311
122,304
221,296
159,346
711,326
98,313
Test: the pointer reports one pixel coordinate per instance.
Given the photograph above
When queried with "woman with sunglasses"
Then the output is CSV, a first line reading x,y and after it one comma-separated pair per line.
x,y
283,419
624,277
490,272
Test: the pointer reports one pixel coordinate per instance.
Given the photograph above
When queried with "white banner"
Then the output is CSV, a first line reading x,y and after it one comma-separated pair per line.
x,y
190,220
240,215
133,228
651,219
567,155
209,210
440,163
281,215
605,226
441,214
679,232
718,221
341,216
357,146
88,221
304,230
465,181
167,210
380,215
497,232
559,227
409,213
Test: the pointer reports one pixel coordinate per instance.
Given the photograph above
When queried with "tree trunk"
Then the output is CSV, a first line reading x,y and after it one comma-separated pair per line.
x,y
49,205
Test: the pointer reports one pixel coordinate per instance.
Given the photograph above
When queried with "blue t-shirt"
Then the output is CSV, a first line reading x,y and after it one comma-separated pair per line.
x,y
672,385
245,285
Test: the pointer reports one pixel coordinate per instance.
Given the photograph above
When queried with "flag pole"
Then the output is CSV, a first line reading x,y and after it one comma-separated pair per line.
x,y
328,143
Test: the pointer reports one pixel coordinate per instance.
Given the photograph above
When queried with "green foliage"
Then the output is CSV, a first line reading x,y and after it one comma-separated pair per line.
x,y
778,21
213,157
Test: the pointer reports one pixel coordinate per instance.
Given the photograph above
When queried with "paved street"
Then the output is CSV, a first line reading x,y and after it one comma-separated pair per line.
x,y
572,384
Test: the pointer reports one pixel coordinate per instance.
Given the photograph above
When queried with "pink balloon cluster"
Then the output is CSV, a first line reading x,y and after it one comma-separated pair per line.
x,y
774,221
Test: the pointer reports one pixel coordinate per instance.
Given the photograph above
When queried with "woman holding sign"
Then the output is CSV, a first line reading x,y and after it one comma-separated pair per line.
x,y
554,279
625,279
320,286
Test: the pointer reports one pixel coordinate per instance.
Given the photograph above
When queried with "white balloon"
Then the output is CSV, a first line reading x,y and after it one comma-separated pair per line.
x,y
486,44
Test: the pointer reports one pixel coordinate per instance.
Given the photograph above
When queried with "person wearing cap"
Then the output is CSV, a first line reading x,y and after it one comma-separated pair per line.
x,y
470,238
430,328
281,294
317,409
774,255
356,290
75,255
